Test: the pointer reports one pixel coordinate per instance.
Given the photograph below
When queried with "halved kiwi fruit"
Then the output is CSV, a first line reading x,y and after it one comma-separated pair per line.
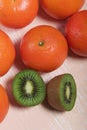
x,y
61,92
28,88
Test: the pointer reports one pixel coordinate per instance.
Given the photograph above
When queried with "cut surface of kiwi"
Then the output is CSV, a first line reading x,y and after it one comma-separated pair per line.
x,y
28,88
61,92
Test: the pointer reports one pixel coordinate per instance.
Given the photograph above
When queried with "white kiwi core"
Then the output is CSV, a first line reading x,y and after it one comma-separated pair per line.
x,y
29,87
67,93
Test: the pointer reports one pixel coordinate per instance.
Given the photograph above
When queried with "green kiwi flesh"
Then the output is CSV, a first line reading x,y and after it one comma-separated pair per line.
x,y
28,88
61,92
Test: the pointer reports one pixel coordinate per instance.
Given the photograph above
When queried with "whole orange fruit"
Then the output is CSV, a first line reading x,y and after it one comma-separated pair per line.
x,y
18,13
61,9
76,33
7,53
43,48
4,103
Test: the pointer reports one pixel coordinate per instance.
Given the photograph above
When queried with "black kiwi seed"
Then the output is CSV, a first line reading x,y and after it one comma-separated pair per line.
x,y
61,92
28,88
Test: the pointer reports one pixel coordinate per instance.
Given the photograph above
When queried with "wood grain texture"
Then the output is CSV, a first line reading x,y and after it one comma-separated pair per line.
x,y
41,117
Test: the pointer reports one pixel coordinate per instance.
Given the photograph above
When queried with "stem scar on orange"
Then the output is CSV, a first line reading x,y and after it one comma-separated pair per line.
x,y
4,103
7,53
43,48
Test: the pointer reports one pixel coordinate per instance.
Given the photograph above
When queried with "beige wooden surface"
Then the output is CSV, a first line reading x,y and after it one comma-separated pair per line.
x,y
41,117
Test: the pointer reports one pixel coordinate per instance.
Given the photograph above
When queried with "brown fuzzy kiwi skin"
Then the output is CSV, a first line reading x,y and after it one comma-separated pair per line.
x,y
53,98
